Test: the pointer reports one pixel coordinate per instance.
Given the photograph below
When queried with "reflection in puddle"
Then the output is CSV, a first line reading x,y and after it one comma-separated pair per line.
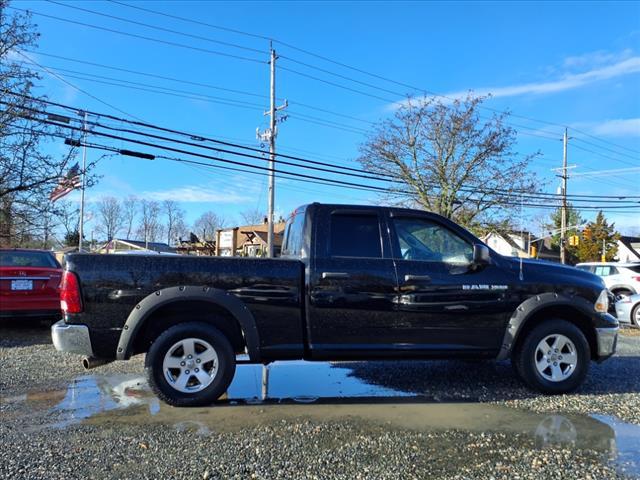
x,y
322,392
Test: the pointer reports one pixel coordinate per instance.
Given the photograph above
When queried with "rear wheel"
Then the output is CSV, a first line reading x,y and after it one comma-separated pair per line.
x,y
190,364
553,358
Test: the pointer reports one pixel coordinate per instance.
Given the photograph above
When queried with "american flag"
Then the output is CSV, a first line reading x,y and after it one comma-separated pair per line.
x,y
67,184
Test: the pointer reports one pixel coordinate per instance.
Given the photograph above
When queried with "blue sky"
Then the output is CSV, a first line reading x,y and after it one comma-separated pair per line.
x,y
574,63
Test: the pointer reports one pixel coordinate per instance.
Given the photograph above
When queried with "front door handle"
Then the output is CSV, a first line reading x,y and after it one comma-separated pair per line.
x,y
417,278
335,275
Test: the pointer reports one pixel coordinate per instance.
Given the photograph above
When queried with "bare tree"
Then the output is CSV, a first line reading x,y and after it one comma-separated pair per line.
x,y
445,159
253,216
110,217
175,226
27,171
149,229
129,213
207,224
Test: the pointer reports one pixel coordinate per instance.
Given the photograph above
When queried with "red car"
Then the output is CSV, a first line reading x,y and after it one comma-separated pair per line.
x,y
29,283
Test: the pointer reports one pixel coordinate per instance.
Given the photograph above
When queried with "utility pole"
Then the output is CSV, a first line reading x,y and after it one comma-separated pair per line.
x,y
270,135
563,225
84,168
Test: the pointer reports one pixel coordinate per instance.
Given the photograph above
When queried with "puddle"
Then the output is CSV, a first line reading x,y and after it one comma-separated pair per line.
x,y
323,392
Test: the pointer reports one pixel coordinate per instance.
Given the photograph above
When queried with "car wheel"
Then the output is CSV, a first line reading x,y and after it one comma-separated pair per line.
x,y
190,364
553,358
635,315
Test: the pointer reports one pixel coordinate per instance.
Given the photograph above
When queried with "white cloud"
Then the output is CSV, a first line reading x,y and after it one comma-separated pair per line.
x,y
195,193
569,81
599,57
624,127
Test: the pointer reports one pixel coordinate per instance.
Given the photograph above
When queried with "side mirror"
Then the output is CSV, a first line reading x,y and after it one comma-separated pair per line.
x,y
481,254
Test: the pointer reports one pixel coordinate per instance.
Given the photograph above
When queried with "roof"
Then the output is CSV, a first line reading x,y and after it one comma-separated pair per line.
x,y
632,243
155,246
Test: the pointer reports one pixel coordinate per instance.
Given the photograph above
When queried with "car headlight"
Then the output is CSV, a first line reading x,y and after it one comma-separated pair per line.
x,y
602,303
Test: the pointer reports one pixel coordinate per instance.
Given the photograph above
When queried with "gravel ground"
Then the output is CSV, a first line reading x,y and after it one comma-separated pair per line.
x,y
321,442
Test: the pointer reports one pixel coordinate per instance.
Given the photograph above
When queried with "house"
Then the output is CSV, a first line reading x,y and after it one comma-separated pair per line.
x,y
517,244
119,245
628,249
195,246
248,240
510,244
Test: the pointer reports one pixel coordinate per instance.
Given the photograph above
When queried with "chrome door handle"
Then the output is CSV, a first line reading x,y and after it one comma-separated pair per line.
x,y
335,275
417,278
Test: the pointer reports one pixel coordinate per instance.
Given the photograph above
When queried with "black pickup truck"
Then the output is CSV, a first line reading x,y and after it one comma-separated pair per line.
x,y
352,283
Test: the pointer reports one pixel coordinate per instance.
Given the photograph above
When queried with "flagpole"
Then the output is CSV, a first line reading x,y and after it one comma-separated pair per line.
x,y
84,167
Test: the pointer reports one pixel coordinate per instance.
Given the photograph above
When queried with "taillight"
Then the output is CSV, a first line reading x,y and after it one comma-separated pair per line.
x,y
637,279
70,300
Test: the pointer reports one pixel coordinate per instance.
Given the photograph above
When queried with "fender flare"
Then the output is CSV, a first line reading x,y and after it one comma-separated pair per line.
x,y
532,305
166,296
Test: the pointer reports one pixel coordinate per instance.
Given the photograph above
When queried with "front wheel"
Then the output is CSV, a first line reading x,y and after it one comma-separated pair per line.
x,y
190,364
553,358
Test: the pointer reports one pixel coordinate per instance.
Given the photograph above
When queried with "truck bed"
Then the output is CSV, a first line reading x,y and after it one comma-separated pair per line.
x,y
112,286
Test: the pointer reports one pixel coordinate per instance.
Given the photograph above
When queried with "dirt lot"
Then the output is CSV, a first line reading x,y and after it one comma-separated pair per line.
x,y
343,420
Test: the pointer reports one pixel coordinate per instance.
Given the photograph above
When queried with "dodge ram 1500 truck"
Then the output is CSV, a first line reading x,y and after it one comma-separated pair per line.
x,y
352,283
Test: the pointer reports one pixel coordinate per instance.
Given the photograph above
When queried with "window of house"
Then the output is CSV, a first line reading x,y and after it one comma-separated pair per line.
x,y
355,236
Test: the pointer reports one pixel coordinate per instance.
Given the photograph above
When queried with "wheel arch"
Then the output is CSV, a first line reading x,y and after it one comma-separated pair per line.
x,y
158,311
575,310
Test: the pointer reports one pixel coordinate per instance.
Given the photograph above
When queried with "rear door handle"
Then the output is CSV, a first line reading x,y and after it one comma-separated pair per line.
x,y
417,278
335,275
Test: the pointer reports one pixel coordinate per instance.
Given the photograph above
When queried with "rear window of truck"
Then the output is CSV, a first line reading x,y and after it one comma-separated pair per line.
x,y
293,235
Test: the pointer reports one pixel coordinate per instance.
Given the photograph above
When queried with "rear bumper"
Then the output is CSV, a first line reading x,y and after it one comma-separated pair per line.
x,y
607,342
71,338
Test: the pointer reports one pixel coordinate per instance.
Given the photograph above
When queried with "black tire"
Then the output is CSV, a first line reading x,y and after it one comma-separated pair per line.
x,y
226,364
634,316
524,357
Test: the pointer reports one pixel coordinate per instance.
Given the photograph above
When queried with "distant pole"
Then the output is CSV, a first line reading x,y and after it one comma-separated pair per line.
x,y
270,135
563,225
272,151
84,167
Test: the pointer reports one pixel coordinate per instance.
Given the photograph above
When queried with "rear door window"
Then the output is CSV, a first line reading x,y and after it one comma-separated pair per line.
x,y
603,271
355,235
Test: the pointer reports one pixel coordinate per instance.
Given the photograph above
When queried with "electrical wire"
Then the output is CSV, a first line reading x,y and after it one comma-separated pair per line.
x,y
494,191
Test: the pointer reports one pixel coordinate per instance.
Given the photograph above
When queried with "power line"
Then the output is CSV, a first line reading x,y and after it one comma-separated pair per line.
x,y
619,160
151,75
75,86
142,37
635,157
156,27
605,141
146,125
346,66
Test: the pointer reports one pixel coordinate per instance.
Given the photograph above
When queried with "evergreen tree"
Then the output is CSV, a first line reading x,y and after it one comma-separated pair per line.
x,y
574,219
596,235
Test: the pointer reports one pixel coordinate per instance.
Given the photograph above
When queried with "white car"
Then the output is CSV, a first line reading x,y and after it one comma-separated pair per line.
x,y
628,310
622,279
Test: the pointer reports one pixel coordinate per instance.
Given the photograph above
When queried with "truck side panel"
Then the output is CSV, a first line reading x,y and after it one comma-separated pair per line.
x,y
112,286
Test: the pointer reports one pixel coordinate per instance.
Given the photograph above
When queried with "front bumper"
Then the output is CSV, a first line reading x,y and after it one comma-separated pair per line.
x,y
71,338
607,339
